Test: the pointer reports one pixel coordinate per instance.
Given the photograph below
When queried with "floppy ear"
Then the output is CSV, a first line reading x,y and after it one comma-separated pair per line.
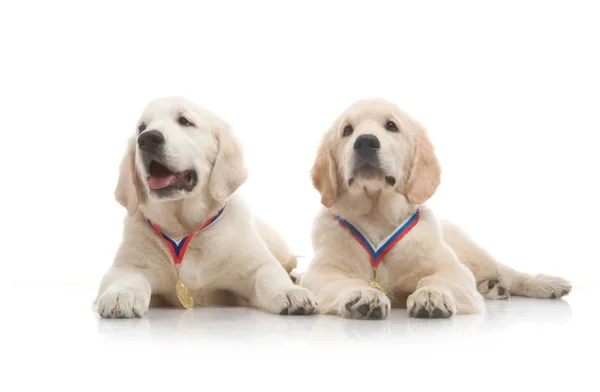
x,y
129,191
425,171
324,173
229,171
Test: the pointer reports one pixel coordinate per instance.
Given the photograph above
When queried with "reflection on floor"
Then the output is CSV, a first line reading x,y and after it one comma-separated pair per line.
x,y
248,324
53,330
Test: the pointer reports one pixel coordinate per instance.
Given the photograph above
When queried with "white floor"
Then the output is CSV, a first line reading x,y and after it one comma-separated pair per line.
x,y
50,336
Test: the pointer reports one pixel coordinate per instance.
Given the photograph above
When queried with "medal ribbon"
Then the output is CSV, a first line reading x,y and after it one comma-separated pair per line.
x,y
178,247
376,254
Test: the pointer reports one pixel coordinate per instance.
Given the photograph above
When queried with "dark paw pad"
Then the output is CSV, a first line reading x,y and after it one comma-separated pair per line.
x,y
363,309
437,313
450,312
299,310
411,312
376,313
350,304
422,313
492,283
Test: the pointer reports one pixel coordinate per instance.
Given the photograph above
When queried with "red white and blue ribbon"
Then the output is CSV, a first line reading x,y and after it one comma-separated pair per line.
x,y
177,247
377,253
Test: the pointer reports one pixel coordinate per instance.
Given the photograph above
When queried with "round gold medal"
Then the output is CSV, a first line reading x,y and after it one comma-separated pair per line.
x,y
184,295
377,286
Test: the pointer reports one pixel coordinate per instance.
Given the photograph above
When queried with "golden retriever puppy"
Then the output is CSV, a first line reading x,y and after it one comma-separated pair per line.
x,y
376,243
188,239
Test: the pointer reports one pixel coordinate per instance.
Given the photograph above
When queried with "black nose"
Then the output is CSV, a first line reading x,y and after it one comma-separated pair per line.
x,y
367,145
151,140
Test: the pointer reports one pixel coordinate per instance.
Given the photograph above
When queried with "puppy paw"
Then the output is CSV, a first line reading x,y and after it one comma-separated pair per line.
x,y
430,303
295,300
545,286
123,303
493,289
364,304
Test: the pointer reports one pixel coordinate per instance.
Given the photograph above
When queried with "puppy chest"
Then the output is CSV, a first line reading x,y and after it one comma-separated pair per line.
x,y
194,272
403,268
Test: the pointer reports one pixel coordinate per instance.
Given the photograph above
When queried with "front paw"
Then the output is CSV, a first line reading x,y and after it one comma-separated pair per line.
x,y
123,303
294,300
430,303
364,304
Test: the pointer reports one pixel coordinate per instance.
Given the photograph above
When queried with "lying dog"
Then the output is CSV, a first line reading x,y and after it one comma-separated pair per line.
x,y
374,169
188,239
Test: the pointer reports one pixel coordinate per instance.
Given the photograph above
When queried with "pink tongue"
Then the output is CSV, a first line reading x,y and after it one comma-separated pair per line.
x,y
158,182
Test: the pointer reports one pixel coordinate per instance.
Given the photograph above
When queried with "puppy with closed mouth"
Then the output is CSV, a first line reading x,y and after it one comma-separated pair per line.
x,y
377,245
188,239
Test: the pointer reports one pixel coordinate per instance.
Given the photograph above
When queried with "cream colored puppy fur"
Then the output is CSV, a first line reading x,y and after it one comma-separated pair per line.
x,y
436,270
237,260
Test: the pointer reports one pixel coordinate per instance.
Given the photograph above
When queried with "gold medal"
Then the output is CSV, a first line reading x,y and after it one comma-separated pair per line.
x,y
184,295
375,284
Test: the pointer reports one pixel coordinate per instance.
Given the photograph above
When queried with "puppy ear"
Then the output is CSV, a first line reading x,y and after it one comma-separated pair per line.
x,y
229,171
425,171
129,191
324,173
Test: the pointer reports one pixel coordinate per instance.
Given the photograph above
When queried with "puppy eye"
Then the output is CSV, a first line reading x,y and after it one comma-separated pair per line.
x,y
348,130
391,126
142,127
184,122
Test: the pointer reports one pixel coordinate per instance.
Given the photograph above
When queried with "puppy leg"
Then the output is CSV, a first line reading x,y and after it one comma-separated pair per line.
x,y
496,280
450,290
339,294
124,293
266,285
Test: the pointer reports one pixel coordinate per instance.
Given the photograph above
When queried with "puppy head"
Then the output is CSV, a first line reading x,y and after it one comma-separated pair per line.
x,y
179,150
373,146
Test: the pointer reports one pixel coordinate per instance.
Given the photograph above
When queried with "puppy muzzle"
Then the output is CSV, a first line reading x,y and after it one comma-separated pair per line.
x,y
366,155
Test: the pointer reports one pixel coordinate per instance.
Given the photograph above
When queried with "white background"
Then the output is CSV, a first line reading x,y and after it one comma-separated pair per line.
x,y
510,94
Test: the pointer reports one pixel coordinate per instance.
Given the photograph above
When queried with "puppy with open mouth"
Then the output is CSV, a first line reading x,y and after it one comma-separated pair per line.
x,y
188,239
377,245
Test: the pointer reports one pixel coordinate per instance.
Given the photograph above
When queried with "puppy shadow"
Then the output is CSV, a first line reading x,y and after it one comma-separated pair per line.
x,y
124,328
237,324
367,329
497,315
